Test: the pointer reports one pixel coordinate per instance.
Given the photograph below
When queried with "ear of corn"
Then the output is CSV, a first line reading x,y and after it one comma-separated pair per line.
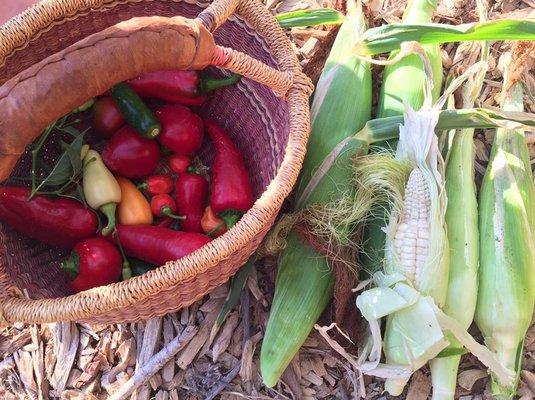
x,y
463,237
403,82
304,286
507,248
416,246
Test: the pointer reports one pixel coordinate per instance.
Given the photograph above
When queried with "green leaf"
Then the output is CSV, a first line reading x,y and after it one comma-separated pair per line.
x,y
302,18
377,130
387,38
236,287
67,165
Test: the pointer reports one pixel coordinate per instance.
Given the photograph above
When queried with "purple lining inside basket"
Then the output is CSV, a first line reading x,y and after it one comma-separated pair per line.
x,y
250,112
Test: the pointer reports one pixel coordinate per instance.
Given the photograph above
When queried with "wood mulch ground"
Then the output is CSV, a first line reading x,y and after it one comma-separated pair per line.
x,y
78,361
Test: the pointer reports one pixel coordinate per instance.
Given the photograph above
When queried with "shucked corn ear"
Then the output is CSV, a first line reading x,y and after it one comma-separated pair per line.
x,y
507,257
403,82
304,285
416,257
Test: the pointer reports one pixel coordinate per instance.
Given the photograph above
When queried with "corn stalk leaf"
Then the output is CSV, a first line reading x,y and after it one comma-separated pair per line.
x,y
236,287
387,38
302,18
387,128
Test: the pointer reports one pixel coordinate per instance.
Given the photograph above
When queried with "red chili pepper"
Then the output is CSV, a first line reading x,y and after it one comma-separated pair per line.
x,y
128,154
157,184
93,262
163,205
182,130
184,87
106,118
58,222
191,191
165,223
179,163
231,193
158,245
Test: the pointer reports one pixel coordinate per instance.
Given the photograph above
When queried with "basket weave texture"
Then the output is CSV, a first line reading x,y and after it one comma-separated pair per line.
x,y
266,113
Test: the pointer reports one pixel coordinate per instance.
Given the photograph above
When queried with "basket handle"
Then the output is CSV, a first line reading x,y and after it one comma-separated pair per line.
x,y
217,12
236,61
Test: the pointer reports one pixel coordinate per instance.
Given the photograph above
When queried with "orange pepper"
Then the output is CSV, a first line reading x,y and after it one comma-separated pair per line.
x,y
134,208
211,224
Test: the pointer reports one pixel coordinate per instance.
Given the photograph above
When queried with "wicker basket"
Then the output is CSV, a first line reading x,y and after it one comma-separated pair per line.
x,y
267,113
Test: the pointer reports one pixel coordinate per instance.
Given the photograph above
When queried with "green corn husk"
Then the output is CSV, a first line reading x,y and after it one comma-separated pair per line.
x,y
403,81
463,236
304,285
507,247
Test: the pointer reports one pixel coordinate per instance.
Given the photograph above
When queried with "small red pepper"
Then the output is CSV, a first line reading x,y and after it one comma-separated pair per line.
x,y
184,87
158,245
157,184
165,223
191,191
182,130
58,222
128,154
92,263
231,193
107,117
212,225
163,205
179,163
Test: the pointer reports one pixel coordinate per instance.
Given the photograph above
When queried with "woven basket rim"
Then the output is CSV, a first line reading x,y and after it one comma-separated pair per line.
x,y
44,16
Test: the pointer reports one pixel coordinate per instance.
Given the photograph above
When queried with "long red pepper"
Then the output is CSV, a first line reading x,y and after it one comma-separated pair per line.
x,y
231,193
184,87
158,245
191,191
58,222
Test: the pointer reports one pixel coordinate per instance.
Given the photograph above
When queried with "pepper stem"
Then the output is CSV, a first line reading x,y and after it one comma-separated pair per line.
x,y
230,217
71,265
127,269
109,211
143,186
209,83
167,212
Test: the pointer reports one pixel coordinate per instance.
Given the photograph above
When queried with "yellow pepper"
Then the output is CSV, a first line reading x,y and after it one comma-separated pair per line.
x,y
101,189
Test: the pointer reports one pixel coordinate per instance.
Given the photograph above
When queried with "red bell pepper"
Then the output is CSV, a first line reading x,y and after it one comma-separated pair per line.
x,y
157,184
158,245
182,130
58,222
184,87
106,117
231,193
128,154
191,191
93,262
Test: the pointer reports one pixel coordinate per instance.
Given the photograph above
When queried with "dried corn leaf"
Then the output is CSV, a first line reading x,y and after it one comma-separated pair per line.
x,y
468,378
